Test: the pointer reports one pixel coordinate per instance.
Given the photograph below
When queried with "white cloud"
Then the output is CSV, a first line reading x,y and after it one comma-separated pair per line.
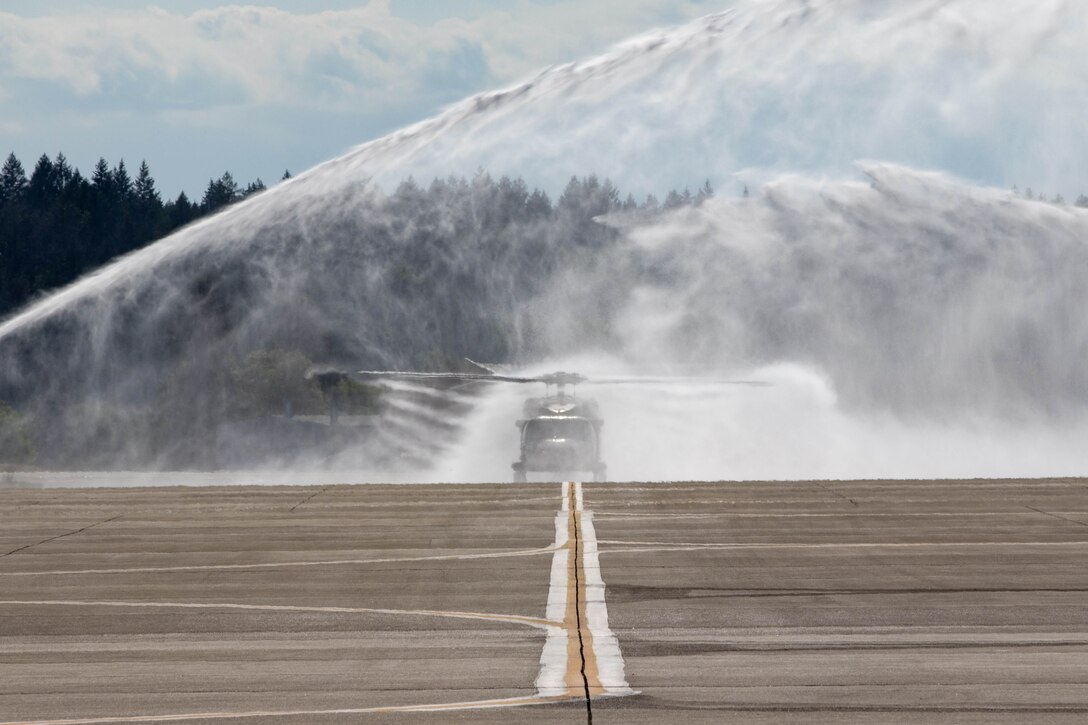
x,y
335,60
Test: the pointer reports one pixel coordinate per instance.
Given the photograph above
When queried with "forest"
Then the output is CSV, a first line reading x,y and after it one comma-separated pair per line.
x,y
418,277
57,224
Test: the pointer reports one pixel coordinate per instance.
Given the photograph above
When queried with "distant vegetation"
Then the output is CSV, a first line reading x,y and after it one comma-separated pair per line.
x,y
58,224
417,277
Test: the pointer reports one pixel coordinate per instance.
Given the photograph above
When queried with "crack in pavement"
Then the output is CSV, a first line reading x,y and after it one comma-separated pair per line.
x,y
577,541
1056,516
307,499
833,491
59,536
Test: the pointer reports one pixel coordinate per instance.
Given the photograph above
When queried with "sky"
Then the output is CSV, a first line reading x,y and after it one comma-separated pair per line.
x,y
197,88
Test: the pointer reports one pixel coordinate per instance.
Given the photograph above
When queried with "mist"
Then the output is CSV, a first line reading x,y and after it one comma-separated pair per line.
x,y
909,321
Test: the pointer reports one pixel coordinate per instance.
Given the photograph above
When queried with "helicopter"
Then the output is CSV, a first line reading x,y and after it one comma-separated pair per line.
x,y
560,432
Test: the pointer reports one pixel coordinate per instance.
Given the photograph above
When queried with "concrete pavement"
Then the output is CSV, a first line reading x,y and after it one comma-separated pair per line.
x,y
925,601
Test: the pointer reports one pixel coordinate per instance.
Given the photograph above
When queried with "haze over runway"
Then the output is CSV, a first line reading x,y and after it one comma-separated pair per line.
x,y
865,601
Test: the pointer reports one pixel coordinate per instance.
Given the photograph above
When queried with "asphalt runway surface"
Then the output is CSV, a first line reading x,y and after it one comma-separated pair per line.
x,y
865,601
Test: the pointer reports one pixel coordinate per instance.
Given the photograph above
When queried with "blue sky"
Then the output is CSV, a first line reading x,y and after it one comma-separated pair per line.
x,y
197,88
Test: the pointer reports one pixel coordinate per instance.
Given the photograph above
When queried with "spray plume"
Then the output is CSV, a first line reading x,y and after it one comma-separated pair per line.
x,y
913,323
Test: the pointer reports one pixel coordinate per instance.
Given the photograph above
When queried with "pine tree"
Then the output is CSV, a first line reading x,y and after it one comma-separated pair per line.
x,y
102,178
220,193
1082,201
706,191
254,186
144,187
181,211
43,188
13,181
65,174
121,180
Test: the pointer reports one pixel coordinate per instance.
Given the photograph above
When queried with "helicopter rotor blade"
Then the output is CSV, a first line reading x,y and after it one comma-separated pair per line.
x,y
669,380
452,377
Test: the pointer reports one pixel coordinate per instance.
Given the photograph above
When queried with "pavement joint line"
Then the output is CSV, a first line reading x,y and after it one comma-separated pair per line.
x,y
1056,516
576,620
307,500
60,536
836,493
281,564
582,660
578,589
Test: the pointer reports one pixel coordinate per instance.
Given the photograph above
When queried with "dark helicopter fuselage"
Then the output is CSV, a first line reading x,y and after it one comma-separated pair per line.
x,y
560,434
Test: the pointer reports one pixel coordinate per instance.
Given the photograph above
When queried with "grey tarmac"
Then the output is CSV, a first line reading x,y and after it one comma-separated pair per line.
x,y
754,602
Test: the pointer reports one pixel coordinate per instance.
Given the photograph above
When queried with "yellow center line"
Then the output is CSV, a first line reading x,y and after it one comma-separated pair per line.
x,y
582,676
582,672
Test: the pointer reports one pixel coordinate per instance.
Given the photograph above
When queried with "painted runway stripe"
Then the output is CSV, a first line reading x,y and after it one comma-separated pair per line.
x,y
693,545
842,515
583,660
504,618
284,564
526,701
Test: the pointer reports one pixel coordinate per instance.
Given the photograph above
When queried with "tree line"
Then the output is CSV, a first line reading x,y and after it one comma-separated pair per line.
x,y
216,348
1057,199
56,224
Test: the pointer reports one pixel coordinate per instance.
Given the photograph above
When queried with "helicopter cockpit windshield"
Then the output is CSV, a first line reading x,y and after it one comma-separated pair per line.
x,y
542,429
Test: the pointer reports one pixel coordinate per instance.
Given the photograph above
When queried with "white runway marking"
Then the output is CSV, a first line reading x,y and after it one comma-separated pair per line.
x,y
504,618
645,546
581,656
282,564
182,717
582,660
843,515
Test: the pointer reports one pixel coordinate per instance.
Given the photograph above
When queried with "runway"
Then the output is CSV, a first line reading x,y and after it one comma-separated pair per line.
x,y
865,601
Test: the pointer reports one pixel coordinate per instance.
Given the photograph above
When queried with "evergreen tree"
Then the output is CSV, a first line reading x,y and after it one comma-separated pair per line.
x,y
706,191
65,174
1082,201
43,187
220,193
181,211
102,179
538,205
121,180
254,187
144,187
673,200
13,181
